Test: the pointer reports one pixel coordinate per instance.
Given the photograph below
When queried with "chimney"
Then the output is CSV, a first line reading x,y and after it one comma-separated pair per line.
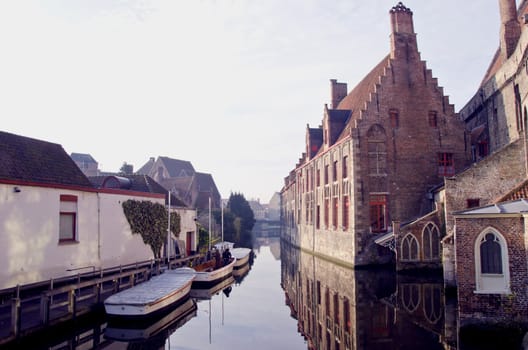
x,y
403,37
510,28
338,92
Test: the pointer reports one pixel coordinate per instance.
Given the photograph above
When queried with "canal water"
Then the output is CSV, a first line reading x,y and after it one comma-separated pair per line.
x,y
288,299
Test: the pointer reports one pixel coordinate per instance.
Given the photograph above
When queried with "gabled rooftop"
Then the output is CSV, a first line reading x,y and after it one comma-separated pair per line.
x,y
31,160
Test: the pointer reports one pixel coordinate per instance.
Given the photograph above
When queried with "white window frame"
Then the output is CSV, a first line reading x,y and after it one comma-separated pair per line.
x,y
407,240
492,283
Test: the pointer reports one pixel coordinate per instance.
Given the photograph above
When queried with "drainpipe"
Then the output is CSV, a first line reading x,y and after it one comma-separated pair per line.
x,y
99,227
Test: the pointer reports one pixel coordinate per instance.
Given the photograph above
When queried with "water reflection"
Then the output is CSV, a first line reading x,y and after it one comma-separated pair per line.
x,y
155,331
339,308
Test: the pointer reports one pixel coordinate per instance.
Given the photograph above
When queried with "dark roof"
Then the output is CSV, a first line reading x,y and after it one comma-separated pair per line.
x,y
145,169
26,159
206,183
178,168
138,183
82,157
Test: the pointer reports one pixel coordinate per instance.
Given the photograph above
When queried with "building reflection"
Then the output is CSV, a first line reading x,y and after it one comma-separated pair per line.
x,y
338,308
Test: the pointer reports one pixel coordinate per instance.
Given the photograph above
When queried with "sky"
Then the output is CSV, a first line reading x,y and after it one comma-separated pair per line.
x,y
228,85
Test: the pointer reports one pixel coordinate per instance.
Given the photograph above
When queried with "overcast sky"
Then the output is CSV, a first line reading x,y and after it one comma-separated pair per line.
x,y
226,84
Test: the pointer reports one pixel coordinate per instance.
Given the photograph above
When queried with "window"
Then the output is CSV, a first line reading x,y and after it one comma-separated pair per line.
x,y
345,167
433,119
68,218
446,164
318,217
317,177
377,157
473,202
491,263
326,174
409,248
346,204
378,213
335,206
334,171
346,313
326,212
394,118
431,242
336,308
482,147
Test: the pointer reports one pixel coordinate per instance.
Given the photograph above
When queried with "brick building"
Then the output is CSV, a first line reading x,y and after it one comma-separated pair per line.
x,y
378,152
485,248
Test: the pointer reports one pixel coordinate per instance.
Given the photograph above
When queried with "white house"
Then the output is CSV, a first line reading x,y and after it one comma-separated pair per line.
x,y
54,222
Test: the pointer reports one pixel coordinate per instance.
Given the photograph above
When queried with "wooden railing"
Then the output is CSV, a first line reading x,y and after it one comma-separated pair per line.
x,y
35,306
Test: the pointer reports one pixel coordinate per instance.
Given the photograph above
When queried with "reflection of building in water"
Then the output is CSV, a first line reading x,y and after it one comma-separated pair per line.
x,y
338,308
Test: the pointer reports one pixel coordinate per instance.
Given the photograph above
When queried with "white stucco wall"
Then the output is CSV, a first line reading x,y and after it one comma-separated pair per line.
x,y
188,224
29,234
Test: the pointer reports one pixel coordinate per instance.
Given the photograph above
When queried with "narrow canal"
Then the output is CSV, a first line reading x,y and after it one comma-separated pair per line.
x,y
289,299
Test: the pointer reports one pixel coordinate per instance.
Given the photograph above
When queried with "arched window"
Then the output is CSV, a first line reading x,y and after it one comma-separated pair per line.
x,y
492,273
409,248
431,242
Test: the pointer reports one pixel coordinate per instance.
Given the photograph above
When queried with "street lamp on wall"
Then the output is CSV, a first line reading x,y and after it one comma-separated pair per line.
x,y
16,189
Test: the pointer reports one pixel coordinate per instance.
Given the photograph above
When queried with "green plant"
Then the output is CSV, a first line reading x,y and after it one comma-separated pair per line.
x,y
150,221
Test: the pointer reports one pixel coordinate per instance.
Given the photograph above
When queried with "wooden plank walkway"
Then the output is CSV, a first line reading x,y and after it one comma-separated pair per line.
x,y
28,309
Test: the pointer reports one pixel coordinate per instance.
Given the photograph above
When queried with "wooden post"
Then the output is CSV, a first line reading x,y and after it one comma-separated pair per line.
x,y
44,308
15,316
72,302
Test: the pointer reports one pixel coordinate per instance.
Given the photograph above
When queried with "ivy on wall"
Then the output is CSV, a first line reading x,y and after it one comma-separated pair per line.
x,y
150,221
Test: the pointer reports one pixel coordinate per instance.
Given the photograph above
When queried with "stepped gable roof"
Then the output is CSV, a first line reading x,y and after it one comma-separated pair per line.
x,y
137,183
357,98
178,168
26,159
82,157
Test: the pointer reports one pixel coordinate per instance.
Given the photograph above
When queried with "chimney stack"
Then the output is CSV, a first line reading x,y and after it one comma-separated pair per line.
x,y
510,27
338,91
403,37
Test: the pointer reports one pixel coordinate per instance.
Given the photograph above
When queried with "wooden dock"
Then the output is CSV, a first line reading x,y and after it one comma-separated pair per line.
x,y
28,309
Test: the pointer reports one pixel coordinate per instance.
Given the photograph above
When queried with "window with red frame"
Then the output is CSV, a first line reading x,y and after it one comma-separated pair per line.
x,y
394,118
68,218
378,213
446,164
482,148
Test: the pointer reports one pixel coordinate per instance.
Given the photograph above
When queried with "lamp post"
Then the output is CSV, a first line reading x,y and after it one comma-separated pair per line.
x,y
168,230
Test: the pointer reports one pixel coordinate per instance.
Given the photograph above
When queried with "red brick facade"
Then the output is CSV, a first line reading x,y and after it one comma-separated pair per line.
x,y
375,156
475,307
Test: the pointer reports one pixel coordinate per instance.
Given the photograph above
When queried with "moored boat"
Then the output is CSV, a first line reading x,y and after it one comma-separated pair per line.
x,y
152,296
207,273
241,255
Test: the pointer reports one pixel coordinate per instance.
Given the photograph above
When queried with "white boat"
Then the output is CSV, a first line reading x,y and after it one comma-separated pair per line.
x,y
206,274
167,323
151,296
221,246
241,255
